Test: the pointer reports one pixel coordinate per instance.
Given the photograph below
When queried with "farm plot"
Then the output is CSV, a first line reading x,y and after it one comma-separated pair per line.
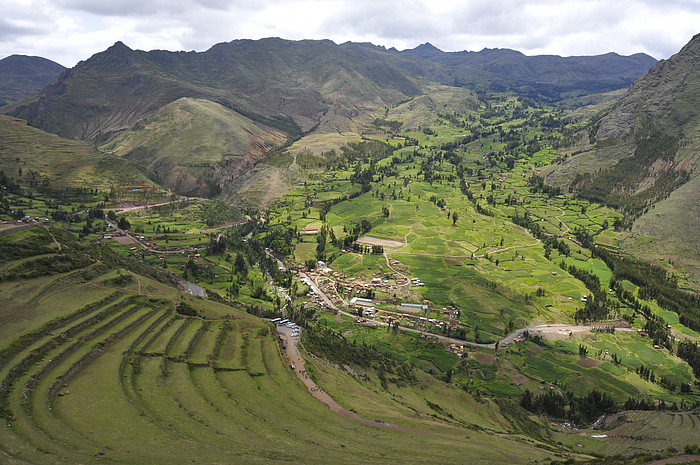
x,y
125,380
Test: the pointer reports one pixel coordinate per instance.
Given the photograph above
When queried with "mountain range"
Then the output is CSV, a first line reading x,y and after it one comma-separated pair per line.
x,y
277,91
544,75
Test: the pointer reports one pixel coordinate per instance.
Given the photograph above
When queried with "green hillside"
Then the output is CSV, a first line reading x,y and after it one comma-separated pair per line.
x,y
475,265
195,146
641,156
213,387
40,159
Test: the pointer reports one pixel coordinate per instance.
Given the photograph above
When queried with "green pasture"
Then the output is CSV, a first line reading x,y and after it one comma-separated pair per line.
x,y
153,373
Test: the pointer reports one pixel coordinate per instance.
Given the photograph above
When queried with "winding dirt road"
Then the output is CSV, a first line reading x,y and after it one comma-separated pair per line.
x,y
297,363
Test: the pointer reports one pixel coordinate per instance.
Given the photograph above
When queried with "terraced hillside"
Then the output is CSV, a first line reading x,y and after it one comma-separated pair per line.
x,y
97,366
46,161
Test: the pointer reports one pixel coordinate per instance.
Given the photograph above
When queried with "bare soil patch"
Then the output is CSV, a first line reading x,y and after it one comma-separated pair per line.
x,y
369,240
518,378
124,240
588,363
486,359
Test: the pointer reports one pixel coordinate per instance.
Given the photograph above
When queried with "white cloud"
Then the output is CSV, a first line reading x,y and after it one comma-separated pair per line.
x,y
71,30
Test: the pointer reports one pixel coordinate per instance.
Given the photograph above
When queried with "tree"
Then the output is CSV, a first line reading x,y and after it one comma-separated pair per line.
x,y
526,400
123,223
240,265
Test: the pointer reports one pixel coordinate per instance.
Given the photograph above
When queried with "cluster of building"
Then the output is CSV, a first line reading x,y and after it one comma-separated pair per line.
x,y
457,349
372,311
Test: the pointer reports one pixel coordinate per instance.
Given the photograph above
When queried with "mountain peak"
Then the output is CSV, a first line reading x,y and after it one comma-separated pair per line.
x,y
116,55
119,46
425,51
427,46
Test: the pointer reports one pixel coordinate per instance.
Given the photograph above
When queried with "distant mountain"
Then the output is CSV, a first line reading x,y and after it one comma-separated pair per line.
x,y
282,84
643,155
549,75
285,84
291,89
22,76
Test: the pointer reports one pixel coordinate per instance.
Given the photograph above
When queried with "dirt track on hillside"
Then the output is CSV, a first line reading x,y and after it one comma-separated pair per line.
x,y
297,361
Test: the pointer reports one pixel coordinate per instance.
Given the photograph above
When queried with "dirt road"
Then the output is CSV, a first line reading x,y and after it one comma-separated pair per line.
x,y
298,364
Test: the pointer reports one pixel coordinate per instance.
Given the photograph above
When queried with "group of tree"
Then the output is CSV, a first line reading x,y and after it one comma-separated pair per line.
x,y
581,411
611,185
549,241
326,343
653,281
690,352
537,185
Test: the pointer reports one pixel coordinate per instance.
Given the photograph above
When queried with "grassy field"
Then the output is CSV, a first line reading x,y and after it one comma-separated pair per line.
x,y
461,242
88,341
116,376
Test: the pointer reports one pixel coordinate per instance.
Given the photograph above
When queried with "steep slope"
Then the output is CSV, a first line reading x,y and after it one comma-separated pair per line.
x,y
326,93
552,76
103,95
44,159
643,156
194,146
284,84
22,76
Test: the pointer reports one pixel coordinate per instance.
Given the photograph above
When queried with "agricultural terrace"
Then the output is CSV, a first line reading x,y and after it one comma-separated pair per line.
x,y
104,364
461,221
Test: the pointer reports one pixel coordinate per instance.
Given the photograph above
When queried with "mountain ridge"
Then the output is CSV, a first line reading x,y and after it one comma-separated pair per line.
x,y
243,70
572,74
301,88
642,156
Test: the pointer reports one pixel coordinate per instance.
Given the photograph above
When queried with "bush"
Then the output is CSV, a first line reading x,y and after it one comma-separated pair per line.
x,y
183,308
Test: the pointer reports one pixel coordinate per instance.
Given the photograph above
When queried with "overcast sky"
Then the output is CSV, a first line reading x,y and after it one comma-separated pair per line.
x,y
68,31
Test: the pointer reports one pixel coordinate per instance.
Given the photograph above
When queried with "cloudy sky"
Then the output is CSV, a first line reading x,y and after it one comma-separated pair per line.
x,y
68,31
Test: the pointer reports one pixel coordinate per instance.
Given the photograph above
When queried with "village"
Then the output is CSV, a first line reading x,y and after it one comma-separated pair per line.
x,y
386,300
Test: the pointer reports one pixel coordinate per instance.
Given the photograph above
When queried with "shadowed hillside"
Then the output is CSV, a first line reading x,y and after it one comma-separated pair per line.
x,y
326,93
641,156
22,76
